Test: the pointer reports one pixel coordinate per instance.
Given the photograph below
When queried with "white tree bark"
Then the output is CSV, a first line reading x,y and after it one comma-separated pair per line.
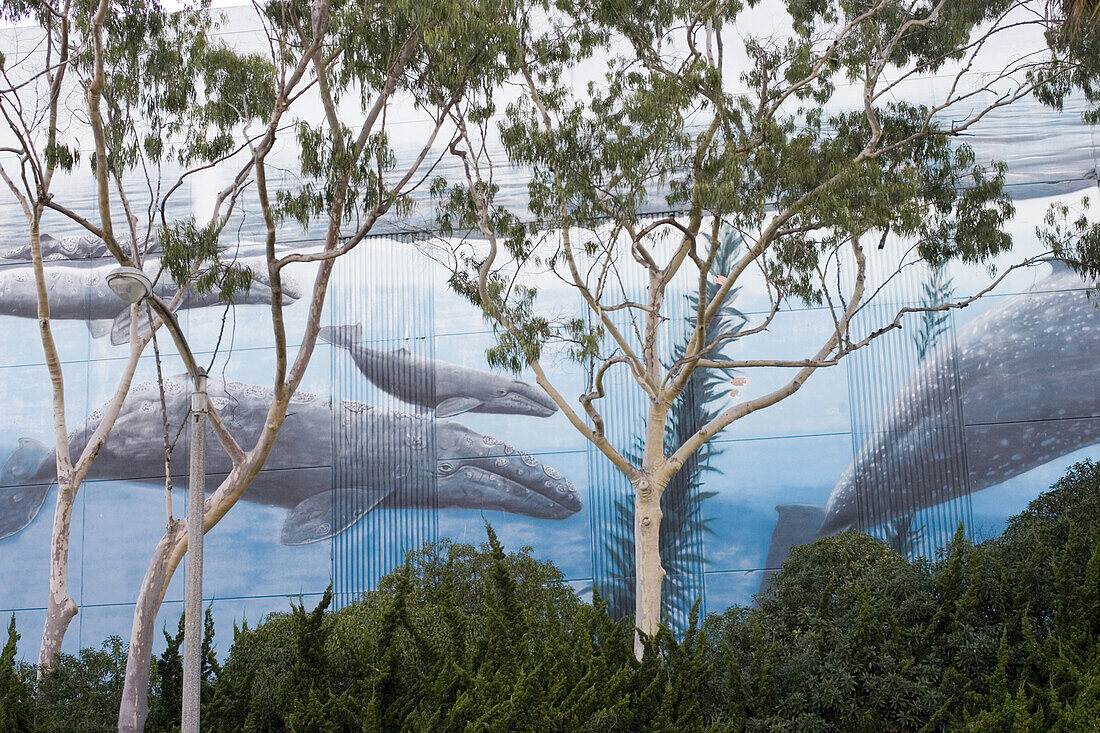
x,y
134,707
60,606
650,573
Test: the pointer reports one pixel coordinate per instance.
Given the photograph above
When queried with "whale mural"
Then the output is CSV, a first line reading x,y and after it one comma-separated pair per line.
x,y
396,457
74,247
1016,374
1012,389
449,389
1017,389
80,292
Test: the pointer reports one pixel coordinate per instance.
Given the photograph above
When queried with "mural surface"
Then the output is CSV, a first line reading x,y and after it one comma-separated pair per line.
x,y
403,434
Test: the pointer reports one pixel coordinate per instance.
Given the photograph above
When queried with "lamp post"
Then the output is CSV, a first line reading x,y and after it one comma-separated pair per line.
x,y
133,286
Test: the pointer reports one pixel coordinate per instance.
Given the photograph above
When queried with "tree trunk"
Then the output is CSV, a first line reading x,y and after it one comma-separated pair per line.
x,y
60,608
134,707
649,573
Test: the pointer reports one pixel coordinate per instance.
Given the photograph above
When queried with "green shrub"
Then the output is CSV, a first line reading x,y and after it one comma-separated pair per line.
x,y
1004,635
16,701
457,639
838,643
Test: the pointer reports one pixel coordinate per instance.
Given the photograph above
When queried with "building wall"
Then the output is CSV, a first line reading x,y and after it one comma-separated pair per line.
x,y
924,396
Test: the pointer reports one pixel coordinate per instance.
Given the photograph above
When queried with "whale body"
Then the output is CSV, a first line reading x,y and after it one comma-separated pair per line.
x,y
448,389
1019,388
72,247
80,292
330,465
75,247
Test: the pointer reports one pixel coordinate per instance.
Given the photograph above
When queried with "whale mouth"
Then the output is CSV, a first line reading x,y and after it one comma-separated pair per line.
x,y
527,402
539,408
538,402
473,487
494,475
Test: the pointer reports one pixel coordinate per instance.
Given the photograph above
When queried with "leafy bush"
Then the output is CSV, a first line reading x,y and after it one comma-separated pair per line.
x,y
16,703
457,639
839,643
851,636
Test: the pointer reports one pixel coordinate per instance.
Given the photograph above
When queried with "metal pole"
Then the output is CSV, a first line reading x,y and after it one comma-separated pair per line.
x,y
127,278
196,492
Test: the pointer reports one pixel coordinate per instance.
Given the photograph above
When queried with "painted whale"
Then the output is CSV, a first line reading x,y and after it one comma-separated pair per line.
x,y
329,467
75,247
1018,387
80,292
449,389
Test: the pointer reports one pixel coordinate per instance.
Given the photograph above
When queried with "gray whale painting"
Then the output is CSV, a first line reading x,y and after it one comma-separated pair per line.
x,y
327,481
1018,388
75,247
1024,377
448,389
80,292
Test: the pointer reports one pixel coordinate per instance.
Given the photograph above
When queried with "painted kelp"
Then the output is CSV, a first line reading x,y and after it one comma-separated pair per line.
x,y
684,523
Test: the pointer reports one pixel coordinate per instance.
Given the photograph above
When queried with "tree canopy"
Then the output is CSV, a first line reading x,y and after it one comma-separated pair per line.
x,y
802,134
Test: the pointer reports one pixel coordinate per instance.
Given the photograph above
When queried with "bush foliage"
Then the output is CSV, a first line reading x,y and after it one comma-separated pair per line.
x,y
1004,635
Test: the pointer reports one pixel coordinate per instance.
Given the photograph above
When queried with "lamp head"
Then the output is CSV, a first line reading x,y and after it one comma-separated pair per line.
x,y
130,284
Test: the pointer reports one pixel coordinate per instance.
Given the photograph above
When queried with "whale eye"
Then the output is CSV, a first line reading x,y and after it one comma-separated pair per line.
x,y
445,469
500,392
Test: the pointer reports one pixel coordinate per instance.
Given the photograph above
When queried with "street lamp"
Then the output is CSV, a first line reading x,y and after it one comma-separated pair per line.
x,y
133,286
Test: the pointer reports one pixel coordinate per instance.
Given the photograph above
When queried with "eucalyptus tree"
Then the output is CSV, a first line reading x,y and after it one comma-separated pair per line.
x,y
801,137
153,87
351,61
149,89
1073,34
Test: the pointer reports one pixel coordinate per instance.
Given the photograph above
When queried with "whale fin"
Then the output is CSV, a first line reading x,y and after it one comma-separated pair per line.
x,y
19,502
98,329
343,336
1058,266
456,406
23,462
328,514
19,505
120,329
46,242
797,525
